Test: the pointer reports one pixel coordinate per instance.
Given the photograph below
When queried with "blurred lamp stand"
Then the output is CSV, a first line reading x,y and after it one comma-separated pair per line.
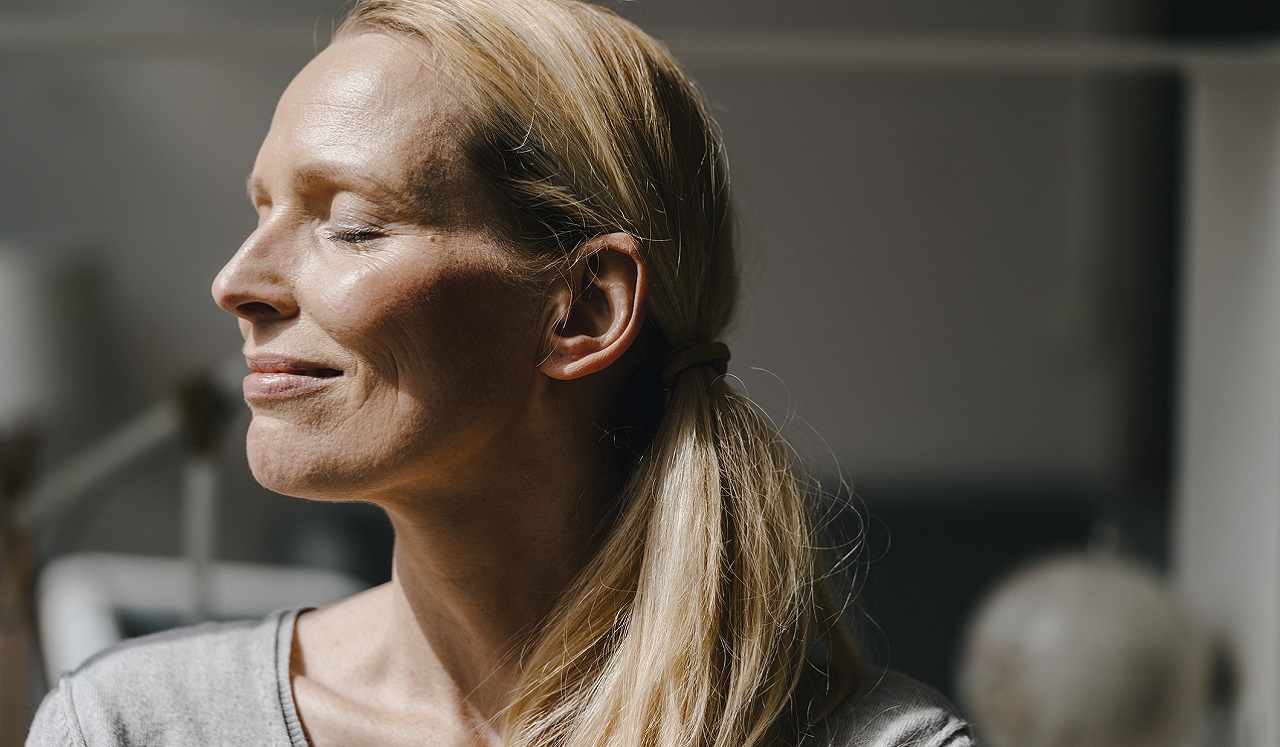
x,y
197,414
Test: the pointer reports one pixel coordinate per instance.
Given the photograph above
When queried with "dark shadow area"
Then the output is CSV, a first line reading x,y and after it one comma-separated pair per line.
x,y
1223,19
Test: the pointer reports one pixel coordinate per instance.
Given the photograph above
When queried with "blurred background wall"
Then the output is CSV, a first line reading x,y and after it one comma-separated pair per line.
x,y
961,285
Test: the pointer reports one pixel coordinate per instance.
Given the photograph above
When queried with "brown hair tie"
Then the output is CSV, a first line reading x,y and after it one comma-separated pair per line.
x,y
686,355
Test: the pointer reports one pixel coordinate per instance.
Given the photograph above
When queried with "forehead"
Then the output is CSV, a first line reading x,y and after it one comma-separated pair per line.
x,y
371,103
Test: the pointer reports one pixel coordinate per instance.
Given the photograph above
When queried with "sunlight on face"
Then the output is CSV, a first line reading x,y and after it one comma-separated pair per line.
x,y
391,342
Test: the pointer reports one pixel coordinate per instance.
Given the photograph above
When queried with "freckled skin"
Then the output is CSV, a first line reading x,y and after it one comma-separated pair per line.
x,y
436,339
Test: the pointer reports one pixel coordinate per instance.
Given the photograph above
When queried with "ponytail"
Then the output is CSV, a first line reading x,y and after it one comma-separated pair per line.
x,y
705,602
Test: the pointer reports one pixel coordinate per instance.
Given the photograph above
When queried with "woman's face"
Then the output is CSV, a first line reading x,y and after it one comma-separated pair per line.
x,y
390,343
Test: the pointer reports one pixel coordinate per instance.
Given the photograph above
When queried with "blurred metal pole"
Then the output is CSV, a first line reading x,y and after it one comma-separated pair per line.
x,y
199,530
113,454
206,412
63,486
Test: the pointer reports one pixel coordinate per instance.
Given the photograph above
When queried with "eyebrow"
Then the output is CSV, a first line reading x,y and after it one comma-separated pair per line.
x,y
311,177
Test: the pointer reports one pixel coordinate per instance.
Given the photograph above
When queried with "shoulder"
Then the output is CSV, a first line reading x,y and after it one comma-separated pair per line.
x,y
209,684
892,710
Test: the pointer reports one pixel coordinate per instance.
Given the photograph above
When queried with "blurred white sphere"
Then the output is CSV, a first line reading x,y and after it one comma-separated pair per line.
x,y
1084,651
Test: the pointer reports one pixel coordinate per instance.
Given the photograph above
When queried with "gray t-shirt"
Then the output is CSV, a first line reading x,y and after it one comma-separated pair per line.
x,y
228,684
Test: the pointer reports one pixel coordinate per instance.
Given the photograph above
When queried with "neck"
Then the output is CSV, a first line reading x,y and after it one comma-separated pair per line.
x,y
483,552
476,571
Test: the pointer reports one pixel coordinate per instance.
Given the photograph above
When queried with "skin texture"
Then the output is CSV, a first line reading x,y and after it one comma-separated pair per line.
x,y
400,358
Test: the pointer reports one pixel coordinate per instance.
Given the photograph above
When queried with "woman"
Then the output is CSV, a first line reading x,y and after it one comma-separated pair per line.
x,y
492,262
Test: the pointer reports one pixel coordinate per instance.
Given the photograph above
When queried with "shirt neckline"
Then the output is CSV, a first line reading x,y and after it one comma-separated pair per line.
x,y
286,628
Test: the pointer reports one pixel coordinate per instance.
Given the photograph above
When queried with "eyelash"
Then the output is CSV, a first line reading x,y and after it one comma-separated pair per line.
x,y
357,236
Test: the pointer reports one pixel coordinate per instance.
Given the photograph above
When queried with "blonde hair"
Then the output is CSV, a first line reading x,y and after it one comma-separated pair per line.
x,y
696,621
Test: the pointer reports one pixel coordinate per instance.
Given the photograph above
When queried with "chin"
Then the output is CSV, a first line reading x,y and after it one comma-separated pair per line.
x,y
287,479
294,469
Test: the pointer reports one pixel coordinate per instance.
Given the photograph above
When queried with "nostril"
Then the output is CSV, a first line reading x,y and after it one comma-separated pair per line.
x,y
255,310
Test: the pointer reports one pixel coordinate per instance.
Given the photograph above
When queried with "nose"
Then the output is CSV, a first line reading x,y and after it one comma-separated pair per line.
x,y
255,284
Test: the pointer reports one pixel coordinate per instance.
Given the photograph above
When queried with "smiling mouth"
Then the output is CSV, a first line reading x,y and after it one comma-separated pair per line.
x,y
265,364
272,377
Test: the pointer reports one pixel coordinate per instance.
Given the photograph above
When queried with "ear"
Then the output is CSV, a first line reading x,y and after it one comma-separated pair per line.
x,y
597,314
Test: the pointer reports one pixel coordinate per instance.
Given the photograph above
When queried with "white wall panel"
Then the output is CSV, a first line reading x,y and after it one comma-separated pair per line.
x,y
1227,543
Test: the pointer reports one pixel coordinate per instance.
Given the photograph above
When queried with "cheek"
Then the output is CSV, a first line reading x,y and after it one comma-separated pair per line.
x,y
458,325
442,359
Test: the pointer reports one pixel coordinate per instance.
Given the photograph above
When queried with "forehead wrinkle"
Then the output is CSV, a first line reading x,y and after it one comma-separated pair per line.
x,y
380,83
357,84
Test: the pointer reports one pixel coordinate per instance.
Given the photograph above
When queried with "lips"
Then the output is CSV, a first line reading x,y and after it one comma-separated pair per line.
x,y
277,364
274,377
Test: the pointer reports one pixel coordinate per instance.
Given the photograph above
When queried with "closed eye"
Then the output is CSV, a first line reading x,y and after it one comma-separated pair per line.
x,y
354,236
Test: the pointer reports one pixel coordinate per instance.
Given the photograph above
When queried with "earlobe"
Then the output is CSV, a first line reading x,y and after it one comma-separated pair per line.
x,y
600,312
